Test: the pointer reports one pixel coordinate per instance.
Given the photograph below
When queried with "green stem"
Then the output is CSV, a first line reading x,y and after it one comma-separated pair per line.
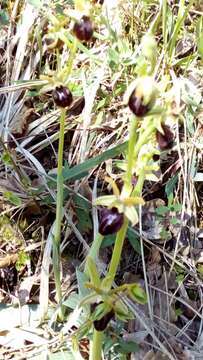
x,y
72,57
118,249
131,146
143,139
65,73
59,209
96,345
138,187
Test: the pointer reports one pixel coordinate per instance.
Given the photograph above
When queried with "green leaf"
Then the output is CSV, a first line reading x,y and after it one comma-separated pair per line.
x,y
176,207
6,158
113,56
137,293
175,221
72,301
170,186
22,259
12,198
134,240
127,346
178,311
162,210
108,241
81,169
4,18
81,280
82,209
180,278
170,199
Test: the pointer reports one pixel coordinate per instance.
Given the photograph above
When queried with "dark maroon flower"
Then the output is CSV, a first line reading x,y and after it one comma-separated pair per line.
x,y
110,221
83,29
136,105
100,325
62,96
165,140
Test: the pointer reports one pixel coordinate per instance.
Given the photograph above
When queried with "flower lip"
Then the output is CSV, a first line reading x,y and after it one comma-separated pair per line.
x,y
100,325
165,139
62,96
110,221
83,29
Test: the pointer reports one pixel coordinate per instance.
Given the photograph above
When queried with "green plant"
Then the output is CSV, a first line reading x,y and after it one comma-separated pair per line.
x,y
172,207
141,97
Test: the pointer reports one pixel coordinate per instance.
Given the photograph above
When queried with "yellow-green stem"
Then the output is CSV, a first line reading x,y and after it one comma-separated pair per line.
x,y
59,209
72,57
143,139
65,73
96,345
138,187
131,146
117,249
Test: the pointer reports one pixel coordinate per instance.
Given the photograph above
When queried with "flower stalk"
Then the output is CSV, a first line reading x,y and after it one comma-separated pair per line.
x,y
96,345
59,210
115,260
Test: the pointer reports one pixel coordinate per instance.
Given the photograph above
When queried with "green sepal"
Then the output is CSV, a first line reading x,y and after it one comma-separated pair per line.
x,y
137,293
